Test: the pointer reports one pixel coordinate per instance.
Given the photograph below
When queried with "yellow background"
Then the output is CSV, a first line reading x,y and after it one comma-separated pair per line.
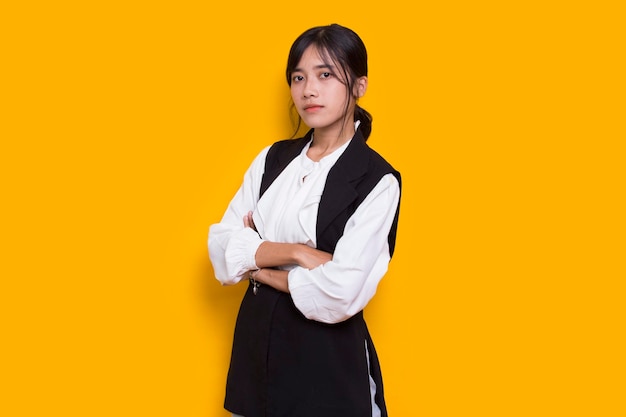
x,y
126,128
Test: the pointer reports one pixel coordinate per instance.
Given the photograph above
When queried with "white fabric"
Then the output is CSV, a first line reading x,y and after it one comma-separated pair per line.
x,y
375,409
287,213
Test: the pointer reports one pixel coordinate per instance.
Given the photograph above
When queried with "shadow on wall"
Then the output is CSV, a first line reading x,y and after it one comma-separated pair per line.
x,y
219,302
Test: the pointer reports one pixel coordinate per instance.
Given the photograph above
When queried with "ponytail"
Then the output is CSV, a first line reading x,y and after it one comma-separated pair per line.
x,y
366,121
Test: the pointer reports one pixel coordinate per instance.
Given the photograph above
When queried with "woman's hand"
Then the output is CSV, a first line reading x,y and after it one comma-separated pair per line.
x,y
248,221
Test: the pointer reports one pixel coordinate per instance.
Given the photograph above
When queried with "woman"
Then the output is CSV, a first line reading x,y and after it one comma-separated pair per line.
x,y
313,229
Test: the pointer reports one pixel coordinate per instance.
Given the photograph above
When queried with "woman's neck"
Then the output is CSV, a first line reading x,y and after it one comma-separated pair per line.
x,y
324,142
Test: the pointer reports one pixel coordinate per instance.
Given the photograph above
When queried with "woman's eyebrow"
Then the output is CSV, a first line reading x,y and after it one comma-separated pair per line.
x,y
321,66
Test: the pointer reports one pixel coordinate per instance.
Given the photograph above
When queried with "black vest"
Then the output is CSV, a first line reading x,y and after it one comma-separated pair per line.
x,y
284,365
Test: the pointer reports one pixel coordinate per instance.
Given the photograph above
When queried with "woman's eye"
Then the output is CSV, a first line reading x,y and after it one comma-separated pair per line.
x,y
297,78
326,75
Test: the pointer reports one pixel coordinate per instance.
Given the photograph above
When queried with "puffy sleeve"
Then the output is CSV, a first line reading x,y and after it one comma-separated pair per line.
x,y
339,289
231,245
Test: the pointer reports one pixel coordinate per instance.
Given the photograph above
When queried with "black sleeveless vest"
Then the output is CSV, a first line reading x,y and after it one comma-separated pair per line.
x,y
285,365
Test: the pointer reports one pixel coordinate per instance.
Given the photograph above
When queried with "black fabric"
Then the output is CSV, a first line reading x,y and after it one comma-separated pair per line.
x,y
350,180
284,365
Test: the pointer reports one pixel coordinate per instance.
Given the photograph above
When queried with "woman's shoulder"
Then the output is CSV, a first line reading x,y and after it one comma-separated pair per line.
x,y
375,160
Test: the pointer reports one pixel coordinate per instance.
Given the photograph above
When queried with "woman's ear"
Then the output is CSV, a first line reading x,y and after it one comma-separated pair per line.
x,y
360,86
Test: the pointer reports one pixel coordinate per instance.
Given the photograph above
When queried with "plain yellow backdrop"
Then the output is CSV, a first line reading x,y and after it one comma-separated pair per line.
x,y
126,128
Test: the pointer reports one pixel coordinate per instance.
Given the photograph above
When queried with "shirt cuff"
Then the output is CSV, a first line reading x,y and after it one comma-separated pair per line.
x,y
240,252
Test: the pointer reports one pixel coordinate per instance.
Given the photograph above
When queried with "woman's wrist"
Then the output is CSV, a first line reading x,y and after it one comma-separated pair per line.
x,y
296,253
252,276
254,273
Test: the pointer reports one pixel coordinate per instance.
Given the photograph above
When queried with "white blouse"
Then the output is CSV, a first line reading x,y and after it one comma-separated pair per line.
x,y
287,213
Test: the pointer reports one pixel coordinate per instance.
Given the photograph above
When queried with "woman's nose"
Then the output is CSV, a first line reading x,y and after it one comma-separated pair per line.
x,y
310,89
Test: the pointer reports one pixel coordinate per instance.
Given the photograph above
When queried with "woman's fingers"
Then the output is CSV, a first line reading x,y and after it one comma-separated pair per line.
x,y
248,221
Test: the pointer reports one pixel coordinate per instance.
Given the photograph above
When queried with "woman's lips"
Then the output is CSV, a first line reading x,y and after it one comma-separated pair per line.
x,y
312,108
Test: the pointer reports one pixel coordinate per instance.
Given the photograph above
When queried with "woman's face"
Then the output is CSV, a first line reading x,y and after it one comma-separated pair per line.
x,y
319,93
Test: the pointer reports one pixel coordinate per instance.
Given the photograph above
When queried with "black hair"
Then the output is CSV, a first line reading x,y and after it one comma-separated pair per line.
x,y
342,46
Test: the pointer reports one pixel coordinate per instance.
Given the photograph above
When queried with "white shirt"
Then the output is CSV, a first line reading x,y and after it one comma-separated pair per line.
x,y
287,213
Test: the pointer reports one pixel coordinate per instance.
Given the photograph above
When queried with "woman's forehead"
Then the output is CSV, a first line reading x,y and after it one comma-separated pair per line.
x,y
319,54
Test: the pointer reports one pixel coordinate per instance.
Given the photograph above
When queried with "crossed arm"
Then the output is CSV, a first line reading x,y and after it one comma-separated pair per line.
x,y
272,254
324,287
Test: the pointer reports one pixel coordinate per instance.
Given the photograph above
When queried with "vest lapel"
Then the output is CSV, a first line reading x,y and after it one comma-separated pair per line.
x,y
339,191
279,156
